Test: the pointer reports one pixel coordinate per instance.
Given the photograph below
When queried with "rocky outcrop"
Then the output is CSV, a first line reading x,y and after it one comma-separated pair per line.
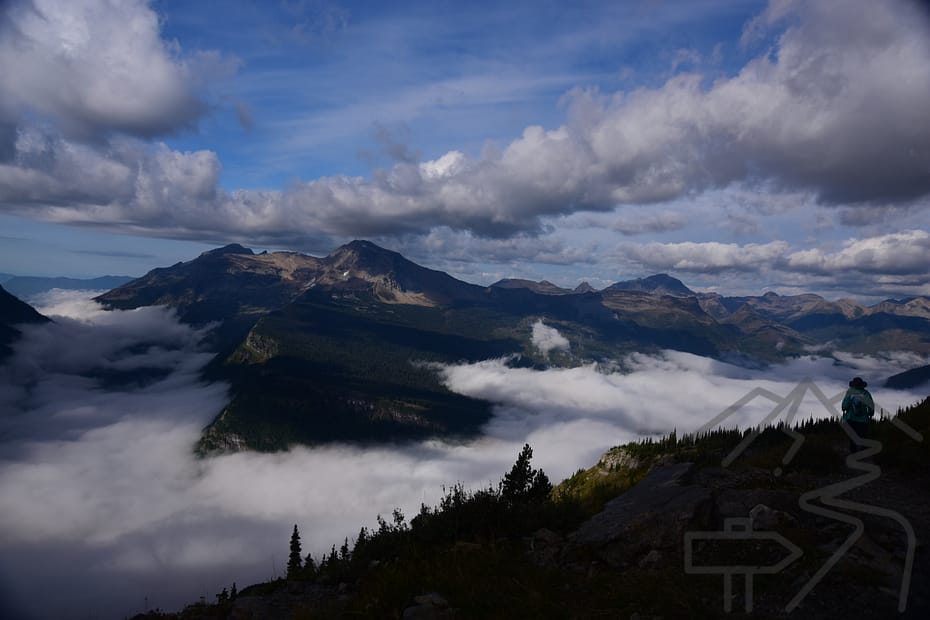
x,y
284,601
650,517
431,606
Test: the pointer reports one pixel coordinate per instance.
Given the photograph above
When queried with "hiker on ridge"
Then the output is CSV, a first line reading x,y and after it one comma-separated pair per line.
x,y
858,409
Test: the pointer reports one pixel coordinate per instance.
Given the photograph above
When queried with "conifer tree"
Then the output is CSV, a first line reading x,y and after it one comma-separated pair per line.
x,y
310,567
523,483
294,562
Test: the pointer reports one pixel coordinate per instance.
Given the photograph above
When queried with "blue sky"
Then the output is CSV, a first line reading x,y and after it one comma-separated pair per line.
x,y
741,146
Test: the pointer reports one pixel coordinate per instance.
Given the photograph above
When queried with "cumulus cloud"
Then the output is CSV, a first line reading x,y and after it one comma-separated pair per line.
x,y
548,339
839,107
903,253
706,257
95,68
462,247
889,264
104,478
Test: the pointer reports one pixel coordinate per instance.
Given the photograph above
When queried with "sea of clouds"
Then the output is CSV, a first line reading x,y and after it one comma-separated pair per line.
x,y
106,510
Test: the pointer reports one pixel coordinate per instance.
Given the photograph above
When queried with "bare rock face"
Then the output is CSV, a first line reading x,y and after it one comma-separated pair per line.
x,y
653,515
618,458
545,547
431,606
285,601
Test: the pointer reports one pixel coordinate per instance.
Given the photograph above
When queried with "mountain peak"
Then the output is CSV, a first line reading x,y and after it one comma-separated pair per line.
x,y
362,245
543,287
366,256
391,276
660,284
232,248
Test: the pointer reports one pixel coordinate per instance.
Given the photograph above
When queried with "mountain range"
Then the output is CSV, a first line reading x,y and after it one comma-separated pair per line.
x,y
27,286
345,347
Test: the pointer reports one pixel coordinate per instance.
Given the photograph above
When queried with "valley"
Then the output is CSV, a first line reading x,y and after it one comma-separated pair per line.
x,y
345,347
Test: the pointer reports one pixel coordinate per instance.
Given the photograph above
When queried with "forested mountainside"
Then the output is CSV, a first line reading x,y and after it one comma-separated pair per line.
x,y
342,347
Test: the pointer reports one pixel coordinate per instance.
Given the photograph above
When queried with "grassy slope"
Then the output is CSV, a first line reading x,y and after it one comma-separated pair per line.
x,y
473,547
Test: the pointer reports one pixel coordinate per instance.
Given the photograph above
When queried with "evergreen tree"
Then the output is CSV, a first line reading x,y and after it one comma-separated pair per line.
x,y
294,562
310,567
523,483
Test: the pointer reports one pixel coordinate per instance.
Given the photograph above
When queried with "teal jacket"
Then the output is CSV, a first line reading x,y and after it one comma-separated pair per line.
x,y
866,408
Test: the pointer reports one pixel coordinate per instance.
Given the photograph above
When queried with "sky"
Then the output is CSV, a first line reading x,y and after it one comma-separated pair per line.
x,y
739,145
107,511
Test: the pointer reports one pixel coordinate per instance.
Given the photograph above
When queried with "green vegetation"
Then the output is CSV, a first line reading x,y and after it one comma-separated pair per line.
x,y
294,561
486,550
355,370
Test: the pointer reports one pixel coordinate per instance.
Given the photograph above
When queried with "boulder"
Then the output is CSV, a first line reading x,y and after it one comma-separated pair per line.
x,y
430,606
652,515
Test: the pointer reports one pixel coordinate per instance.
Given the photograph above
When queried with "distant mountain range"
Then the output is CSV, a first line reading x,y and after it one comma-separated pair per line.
x,y
340,347
27,286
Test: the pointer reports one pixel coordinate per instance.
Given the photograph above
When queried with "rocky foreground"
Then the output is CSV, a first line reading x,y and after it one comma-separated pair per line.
x,y
652,531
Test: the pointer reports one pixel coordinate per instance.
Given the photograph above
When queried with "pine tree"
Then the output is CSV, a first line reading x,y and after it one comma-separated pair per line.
x,y
294,562
310,567
523,483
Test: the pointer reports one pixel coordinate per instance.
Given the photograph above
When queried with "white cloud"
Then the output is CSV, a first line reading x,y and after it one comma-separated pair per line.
x,y
98,67
899,253
838,108
106,480
710,256
548,339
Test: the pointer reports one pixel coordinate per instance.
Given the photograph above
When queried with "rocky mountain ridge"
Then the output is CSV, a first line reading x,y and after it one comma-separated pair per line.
x,y
341,347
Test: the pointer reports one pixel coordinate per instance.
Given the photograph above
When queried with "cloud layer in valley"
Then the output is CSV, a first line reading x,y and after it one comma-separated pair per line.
x,y
100,412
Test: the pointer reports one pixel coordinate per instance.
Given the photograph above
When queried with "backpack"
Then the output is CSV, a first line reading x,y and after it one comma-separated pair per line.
x,y
859,408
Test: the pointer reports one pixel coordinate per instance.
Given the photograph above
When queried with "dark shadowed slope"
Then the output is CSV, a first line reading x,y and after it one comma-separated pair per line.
x,y
333,348
13,312
909,379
